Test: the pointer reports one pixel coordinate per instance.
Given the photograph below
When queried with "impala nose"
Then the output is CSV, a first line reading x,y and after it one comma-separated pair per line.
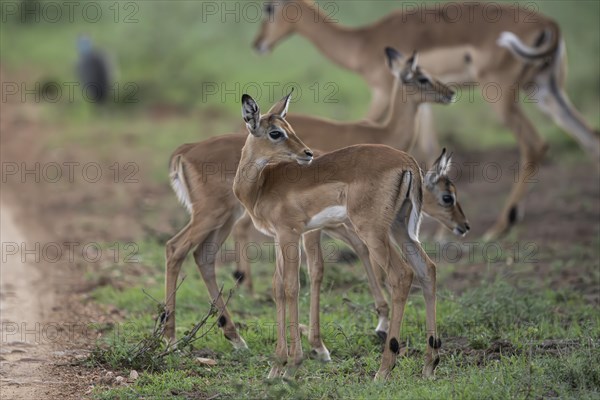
x,y
467,226
450,96
308,153
260,46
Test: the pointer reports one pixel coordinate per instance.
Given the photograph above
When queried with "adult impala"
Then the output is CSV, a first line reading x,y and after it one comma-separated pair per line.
x,y
411,87
373,188
202,176
460,43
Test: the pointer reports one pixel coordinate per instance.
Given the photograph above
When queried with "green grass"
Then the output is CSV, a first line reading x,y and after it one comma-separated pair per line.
x,y
494,313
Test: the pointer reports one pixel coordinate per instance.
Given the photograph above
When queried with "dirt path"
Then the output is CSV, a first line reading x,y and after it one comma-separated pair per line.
x,y
26,302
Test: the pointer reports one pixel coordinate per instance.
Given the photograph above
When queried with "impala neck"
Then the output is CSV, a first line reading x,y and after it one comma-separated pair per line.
x,y
340,44
401,119
248,177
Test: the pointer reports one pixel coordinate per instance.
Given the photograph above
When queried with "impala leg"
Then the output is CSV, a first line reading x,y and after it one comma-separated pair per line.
x,y
399,277
205,256
374,275
176,250
552,99
314,258
241,236
531,147
425,271
291,278
557,106
281,349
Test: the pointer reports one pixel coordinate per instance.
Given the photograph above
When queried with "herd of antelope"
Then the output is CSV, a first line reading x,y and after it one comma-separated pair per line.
x,y
358,183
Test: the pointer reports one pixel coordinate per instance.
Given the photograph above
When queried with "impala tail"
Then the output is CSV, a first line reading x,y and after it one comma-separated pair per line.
x,y
415,194
178,181
409,188
546,45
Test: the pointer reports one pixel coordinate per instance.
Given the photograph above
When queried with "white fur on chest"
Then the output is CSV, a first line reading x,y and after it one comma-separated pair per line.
x,y
334,215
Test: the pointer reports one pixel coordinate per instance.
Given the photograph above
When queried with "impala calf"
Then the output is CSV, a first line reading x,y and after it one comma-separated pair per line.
x,y
373,188
440,201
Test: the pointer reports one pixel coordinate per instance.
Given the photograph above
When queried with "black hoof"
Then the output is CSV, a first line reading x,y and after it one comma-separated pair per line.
x,y
382,335
435,343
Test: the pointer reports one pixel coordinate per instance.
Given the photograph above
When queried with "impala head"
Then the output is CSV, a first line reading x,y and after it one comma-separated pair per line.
x,y
276,25
272,138
440,199
417,81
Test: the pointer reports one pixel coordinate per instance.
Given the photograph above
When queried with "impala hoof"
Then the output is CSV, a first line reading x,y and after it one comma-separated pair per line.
x,y
290,372
505,223
276,372
430,366
320,354
496,232
381,376
239,344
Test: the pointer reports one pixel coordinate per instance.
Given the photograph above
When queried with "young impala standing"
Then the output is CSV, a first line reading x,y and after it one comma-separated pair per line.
x,y
412,86
202,176
373,188
503,45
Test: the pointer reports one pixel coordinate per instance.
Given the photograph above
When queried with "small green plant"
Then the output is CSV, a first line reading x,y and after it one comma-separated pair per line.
x,y
152,352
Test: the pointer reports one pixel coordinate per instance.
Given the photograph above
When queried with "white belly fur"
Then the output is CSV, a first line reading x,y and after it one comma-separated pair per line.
x,y
334,215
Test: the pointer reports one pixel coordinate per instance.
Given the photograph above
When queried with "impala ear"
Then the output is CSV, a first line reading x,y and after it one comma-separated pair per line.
x,y
410,68
413,61
392,56
281,107
250,113
440,168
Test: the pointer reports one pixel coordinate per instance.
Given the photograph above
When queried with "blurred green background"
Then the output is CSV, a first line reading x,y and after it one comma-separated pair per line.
x,y
171,51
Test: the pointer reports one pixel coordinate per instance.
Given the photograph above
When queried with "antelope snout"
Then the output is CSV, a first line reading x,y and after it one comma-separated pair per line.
x,y
449,97
307,159
260,46
462,229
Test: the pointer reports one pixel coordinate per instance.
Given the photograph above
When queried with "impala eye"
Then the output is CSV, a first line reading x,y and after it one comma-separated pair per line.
x,y
275,135
447,199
